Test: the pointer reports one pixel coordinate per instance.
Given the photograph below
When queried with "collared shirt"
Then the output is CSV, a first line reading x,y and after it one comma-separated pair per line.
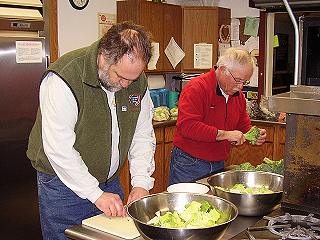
x,y
59,115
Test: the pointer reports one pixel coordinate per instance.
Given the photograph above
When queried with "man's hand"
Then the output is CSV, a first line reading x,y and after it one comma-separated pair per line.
x,y
137,192
235,137
111,204
262,137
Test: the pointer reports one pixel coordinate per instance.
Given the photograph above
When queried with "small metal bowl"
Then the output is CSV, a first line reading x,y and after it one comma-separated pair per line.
x,y
144,209
249,204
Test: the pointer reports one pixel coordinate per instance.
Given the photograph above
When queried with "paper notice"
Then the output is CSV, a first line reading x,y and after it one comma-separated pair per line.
x,y
235,25
235,43
254,77
105,21
251,26
202,56
223,47
29,51
174,53
155,53
252,43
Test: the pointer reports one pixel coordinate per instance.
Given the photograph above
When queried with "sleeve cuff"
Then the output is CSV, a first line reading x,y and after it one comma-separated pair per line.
x,y
136,182
94,195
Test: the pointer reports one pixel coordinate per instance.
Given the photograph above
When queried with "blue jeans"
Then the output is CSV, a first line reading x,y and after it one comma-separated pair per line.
x,y
185,168
61,208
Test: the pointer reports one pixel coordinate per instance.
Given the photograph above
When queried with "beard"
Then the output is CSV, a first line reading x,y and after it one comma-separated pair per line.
x,y
105,81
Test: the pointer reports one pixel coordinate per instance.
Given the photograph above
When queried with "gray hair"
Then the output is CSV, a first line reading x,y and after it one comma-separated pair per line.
x,y
234,58
126,38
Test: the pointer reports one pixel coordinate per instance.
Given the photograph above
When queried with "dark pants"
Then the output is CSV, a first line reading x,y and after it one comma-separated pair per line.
x,y
185,168
61,208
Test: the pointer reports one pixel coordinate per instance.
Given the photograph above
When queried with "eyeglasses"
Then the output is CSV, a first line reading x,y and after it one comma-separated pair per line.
x,y
239,81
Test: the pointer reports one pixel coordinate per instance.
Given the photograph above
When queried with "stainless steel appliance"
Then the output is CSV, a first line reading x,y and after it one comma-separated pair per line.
x,y
310,62
299,214
22,63
302,157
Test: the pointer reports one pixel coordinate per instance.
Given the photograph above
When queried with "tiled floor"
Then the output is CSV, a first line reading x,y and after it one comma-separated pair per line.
x,y
19,212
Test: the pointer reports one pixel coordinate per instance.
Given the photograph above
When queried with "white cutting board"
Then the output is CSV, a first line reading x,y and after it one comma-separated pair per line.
x,y
119,226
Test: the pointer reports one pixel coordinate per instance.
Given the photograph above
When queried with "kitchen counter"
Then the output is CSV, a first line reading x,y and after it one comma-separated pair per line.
x,y
81,232
169,123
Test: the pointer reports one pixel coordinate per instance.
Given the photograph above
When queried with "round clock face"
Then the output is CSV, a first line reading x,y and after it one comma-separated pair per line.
x,y
79,4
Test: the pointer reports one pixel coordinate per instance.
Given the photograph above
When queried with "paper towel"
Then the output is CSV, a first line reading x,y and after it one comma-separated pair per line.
x,y
156,81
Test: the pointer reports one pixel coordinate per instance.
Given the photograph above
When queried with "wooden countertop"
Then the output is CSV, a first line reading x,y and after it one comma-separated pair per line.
x,y
170,123
167,123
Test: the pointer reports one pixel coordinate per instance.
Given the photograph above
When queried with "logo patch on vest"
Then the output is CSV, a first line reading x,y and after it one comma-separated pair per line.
x,y
135,99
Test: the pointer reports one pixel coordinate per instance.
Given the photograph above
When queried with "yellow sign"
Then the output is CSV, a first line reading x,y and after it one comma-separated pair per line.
x,y
275,41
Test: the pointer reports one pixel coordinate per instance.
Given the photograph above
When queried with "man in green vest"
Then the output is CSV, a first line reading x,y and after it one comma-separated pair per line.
x,y
95,111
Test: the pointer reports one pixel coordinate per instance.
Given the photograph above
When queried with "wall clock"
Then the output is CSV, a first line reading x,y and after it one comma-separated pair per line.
x,y
79,4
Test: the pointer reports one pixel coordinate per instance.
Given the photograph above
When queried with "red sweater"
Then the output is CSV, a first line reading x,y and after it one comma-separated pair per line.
x,y
202,111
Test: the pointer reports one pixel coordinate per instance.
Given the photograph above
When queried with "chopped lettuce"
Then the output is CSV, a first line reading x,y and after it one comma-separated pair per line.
x,y
274,166
245,166
241,188
161,114
174,113
195,215
253,135
268,165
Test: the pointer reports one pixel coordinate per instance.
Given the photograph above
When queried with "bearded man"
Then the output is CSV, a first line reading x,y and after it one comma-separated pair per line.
x,y
95,111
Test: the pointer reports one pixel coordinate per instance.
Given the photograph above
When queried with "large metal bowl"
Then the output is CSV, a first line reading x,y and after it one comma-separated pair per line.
x,y
142,210
249,204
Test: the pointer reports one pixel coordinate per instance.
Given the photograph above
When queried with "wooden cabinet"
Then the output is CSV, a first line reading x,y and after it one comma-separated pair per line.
x,y
162,20
188,25
159,161
125,180
162,157
273,148
164,135
201,25
168,145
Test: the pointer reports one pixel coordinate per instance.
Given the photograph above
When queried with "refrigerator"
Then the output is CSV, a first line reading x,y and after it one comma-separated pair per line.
x,y
22,63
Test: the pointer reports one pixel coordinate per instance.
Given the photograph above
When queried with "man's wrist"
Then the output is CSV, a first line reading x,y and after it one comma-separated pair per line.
x,y
221,135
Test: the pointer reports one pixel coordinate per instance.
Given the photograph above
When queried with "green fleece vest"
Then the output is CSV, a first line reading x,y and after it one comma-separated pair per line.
x,y
93,128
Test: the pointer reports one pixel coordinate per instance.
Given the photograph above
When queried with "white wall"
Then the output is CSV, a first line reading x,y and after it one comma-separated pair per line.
x,y
80,28
239,8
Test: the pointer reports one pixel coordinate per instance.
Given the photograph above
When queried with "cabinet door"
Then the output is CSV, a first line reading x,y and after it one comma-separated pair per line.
x,y
280,137
172,27
159,159
167,156
250,153
273,148
168,138
147,14
159,171
151,17
125,180
200,25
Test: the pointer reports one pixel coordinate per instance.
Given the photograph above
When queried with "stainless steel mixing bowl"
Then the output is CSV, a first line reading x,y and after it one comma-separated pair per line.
x,y
142,210
249,204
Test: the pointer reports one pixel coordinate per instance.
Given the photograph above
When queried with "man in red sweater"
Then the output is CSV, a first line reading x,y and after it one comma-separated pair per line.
x,y
212,116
